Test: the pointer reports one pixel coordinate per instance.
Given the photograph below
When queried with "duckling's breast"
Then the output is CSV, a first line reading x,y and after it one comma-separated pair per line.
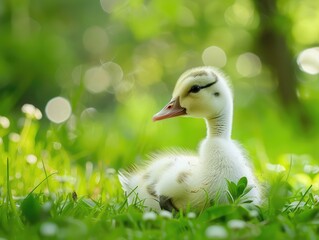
x,y
222,160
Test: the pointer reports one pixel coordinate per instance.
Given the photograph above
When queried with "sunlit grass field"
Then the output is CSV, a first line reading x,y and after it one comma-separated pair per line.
x,y
59,181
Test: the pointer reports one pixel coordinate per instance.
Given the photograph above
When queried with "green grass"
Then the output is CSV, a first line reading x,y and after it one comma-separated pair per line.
x,y
60,182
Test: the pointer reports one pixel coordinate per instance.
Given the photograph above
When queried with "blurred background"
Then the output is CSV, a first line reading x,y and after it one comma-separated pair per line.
x,y
99,70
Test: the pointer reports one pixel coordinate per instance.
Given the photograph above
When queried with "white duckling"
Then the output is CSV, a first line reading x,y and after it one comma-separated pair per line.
x,y
178,181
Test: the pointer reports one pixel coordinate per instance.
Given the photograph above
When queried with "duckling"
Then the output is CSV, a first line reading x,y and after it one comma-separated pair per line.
x,y
181,180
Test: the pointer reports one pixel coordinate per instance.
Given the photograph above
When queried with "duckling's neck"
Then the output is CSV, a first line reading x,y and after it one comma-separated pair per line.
x,y
221,125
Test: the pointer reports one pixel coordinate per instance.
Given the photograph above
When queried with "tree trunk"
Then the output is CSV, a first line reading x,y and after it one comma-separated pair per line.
x,y
274,52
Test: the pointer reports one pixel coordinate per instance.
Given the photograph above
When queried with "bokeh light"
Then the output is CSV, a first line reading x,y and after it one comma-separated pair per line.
x,y
96,80
248,65
240,13
48,229
185,17
114,71
4,122
124,90
58,110
14,137
110,6
214,56
95,40
308,60
88,113
31,159
99,79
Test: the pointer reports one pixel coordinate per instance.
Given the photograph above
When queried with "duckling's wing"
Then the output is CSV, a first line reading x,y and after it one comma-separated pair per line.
x,y
139,190
165,175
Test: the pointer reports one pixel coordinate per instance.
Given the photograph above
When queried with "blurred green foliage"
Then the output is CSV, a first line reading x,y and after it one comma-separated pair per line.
x,y
42,44
116,62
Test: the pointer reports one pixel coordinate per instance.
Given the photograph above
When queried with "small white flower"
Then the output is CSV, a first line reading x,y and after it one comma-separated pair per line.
x,y
216,232
297,203
236,224
191,215
48,229
31,159
31,111
110,171
57,145
149,216
37,114
14,137
28,109
316,198
253,213
65,179
4,122
275,167
166,214
311,169
47,206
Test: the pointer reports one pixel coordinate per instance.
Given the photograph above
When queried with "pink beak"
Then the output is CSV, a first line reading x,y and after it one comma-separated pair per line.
x,y
172,109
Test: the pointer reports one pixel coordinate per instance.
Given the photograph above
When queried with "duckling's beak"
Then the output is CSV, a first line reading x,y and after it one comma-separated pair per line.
x,y
172,109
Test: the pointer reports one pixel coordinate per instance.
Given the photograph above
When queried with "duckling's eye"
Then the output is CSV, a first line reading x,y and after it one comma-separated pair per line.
x,y
195,89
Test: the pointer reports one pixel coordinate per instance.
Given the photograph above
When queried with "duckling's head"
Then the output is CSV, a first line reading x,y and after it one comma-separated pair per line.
x,y
201,92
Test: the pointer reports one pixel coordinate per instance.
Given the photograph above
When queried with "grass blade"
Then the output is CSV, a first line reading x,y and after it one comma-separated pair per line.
x,y
10,202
